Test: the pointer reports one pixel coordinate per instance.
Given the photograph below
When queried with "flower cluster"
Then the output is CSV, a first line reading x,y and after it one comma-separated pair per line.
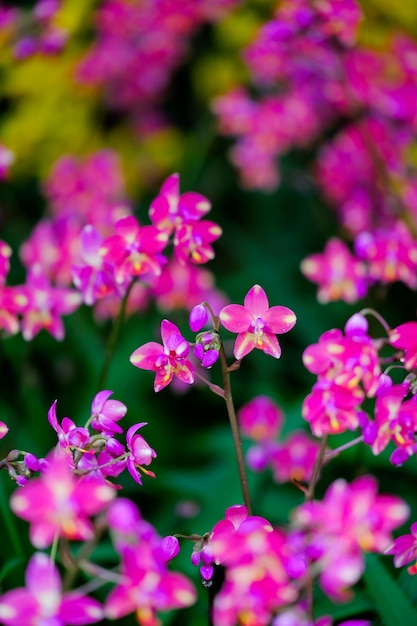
x,y
311,76
256,324
33,32
91,556
93,241
146,585
137,48
95,455
348,369
349,520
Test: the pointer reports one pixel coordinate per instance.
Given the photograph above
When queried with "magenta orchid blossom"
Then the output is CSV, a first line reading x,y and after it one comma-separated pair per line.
x,y
13,299
140,453
256,324
42,602
405,338
147,586
134,250
338,273
105,413
69,435
170,208
165,360
58,505
46,305
94,278
404,549
349,520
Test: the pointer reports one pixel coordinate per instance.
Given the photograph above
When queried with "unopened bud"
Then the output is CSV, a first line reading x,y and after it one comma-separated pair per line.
x,y
31,462
198,317
170,547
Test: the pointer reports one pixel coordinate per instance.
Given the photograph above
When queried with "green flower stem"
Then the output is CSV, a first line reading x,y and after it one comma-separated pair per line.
x,y
316,470
309,495
83,555
214,388
113,338
330,454
377,316
228,398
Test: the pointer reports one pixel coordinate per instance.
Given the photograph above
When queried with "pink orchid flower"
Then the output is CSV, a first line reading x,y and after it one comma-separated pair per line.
x,y
404,549
147,586
57,504
170,208
46,305
94,277
141,453
105,413
404,337
69,435
165,360
41,601
134,250
338,273
257,324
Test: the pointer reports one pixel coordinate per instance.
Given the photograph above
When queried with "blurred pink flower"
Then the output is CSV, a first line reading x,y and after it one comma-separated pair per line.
x,y
338,273
45,306
42,601
260,418
58,504
350,519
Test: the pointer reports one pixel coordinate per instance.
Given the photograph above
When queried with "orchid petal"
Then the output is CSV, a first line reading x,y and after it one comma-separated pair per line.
x,y
256,301
280,319
235,318
168,329
144,356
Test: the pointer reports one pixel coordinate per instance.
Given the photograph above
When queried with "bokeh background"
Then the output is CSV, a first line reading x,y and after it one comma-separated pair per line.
x,y
56,103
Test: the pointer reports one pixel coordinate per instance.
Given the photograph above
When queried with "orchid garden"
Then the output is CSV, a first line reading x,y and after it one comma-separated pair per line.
x,y
208,312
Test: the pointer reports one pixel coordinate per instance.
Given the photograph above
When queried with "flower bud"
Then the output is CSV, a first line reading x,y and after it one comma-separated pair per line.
x,y
198,317
209,358
357,324
170,547
207,572
31,462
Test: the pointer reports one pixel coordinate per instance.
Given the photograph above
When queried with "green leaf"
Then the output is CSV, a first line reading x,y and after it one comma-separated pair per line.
x,y
390,601
408,584
10,567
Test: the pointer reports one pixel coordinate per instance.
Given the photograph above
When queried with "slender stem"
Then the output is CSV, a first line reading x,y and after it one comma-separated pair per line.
x,y
330,454
54,548
309,496
214,388
376,315
82,556
228,398
316,470
104,575
113,338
